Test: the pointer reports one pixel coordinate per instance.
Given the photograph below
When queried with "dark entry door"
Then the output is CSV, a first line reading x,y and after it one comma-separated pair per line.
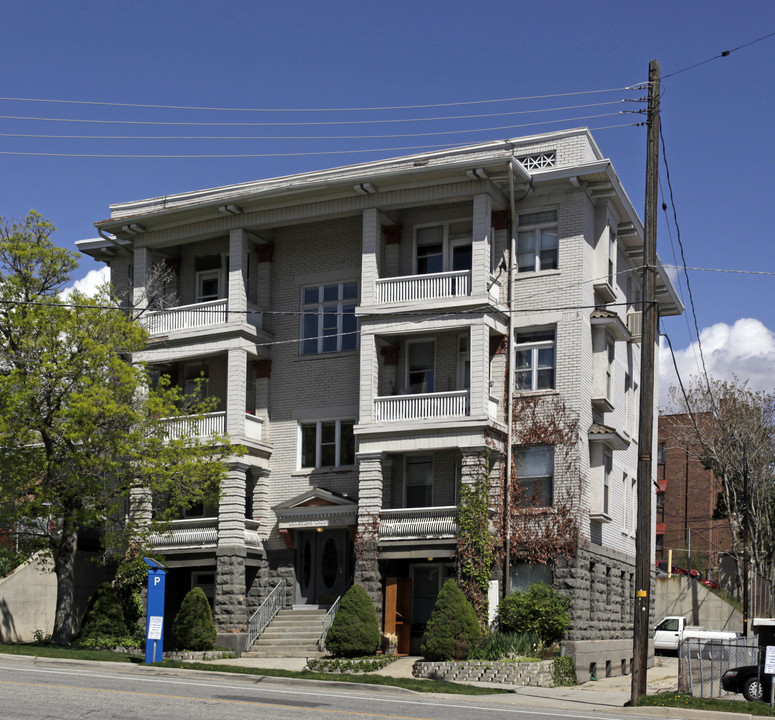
x,y
322,566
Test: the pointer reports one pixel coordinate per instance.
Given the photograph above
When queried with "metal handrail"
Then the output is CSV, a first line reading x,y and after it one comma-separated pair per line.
x,y
265,613
327,621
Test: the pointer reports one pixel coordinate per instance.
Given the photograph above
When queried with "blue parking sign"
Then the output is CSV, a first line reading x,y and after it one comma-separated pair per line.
x,y
154,627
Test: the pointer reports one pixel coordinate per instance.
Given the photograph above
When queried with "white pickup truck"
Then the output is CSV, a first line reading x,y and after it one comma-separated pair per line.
x,y
674,628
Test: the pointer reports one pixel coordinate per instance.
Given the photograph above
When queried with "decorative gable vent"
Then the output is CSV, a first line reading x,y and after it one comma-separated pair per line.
x,y
539,161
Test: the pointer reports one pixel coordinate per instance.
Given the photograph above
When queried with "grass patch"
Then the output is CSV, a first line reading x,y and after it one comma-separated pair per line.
x,y
687,701
434,686
71,653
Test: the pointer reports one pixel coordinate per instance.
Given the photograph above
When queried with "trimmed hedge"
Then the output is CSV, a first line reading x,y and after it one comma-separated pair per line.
x,y
355,630
193,627
453,629
540,609
104,616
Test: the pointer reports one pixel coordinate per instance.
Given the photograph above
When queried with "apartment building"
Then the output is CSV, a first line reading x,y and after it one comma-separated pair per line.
x,y
372,332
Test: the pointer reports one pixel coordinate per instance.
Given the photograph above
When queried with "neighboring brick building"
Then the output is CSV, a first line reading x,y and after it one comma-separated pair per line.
x,y
356,325
686,500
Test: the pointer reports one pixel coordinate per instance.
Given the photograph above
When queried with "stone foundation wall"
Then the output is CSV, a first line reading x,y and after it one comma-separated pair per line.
x,y
536,674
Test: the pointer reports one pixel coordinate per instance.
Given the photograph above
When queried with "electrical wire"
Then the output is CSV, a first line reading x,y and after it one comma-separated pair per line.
x,y
305,110
722,54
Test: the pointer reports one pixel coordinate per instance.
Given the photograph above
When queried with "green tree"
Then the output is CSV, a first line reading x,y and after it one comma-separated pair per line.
x,y
540,609
104,616
355,630
193,627
81,426
453,629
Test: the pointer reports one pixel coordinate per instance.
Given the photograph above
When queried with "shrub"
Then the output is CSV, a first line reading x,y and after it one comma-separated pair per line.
x,y
500,645
104,616
540,610
355,630
453,628
193,627
564,671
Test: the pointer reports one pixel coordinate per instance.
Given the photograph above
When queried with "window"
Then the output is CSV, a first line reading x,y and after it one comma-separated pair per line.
x,y
419,481
208,277
420,366
661,453
443,247
610,350
537,241
196,382
660,506
611,268
327,443
535,474
625,503
535,358
608,466
328,318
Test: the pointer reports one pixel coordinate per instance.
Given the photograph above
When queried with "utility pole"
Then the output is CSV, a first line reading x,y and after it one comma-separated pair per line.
x,y
745,542
640,639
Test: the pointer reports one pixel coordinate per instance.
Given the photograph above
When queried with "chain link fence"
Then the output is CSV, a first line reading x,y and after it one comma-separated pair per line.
x,y
701,663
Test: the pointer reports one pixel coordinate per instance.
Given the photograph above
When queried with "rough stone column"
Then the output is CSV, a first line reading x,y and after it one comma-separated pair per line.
x,y
140,511
480,246
230,604
261,508
370,473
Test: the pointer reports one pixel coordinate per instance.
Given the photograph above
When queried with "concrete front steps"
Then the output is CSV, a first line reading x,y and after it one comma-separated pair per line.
x,y
292,633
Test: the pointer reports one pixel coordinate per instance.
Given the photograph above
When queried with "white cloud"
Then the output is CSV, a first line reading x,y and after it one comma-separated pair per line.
x,y
745,350
88,285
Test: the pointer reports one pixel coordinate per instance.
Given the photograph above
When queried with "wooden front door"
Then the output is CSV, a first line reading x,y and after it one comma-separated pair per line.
x,y
322,566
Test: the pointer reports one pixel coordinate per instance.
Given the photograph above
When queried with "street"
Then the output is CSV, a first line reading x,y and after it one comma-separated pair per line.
x,y
40,690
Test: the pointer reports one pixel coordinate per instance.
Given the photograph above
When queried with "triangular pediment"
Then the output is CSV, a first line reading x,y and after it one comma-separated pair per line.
x,y
315,497
317,508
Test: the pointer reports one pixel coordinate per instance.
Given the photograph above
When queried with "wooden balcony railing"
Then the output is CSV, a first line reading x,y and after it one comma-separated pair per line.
x,y
423,406
413,288
185,317
195,533
429,523
201,426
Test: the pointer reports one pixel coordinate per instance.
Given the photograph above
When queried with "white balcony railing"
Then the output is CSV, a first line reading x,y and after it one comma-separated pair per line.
x,y
434,523
195,533
188,533
184,317
413,288
201,426
253,427
423,406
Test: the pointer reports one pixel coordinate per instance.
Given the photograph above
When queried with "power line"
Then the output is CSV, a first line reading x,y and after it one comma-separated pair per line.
x,y
305,110
722,54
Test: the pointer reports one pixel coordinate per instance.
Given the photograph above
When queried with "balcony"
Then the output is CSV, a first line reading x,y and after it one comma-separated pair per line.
x,y
198,315
211,425
423,406
418,288
429,523
198,533
201,426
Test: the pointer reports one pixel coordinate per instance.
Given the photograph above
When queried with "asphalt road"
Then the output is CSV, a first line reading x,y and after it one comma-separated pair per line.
x,y
43,690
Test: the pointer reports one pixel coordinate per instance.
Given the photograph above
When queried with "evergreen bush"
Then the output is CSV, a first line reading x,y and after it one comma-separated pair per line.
x,y
453,629
193,627
355,630
104,615
540,609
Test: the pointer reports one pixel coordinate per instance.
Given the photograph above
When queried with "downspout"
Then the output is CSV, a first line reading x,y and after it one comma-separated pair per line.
x,y
112,240
510,382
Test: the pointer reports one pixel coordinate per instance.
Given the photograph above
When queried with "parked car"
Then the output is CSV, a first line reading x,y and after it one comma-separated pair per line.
x,y
750,680
709,583
672,629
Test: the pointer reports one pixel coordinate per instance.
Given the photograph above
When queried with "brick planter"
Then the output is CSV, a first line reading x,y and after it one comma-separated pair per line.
x,y
537,674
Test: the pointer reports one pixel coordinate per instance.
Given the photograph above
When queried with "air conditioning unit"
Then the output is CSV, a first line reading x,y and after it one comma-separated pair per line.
x,y
635,325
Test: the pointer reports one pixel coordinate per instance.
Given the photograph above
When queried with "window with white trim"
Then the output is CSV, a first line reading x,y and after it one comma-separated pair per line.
x,y
418,486
328,318
534,359
625,503
209,280
608,468
537,244
443,247
420,366
534,467
326,443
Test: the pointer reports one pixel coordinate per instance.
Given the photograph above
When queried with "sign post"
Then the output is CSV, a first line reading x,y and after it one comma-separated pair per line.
x,y
154,639
769,669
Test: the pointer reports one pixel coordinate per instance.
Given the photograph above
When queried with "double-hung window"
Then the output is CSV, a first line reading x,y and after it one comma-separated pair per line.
x,y
420,367
419,481
208,269
534,467
537,241
535,359
327,443
328,318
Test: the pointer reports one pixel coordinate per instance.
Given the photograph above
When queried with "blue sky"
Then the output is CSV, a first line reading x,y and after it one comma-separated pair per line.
x,y
717,118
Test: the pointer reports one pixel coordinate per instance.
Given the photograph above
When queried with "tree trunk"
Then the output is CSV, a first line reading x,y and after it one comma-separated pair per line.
x,y
65,621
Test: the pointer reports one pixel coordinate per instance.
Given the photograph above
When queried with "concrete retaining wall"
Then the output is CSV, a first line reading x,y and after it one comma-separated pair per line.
x,y
28,601
682,595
